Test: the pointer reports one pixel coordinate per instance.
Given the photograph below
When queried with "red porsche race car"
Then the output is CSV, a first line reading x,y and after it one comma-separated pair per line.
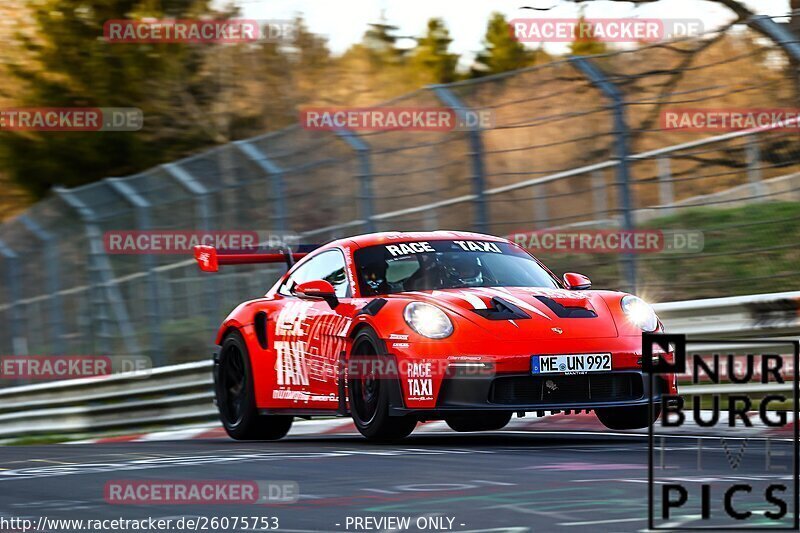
x,y
397,328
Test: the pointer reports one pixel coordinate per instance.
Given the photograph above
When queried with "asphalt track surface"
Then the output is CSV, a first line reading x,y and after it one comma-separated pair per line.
x,y
503,481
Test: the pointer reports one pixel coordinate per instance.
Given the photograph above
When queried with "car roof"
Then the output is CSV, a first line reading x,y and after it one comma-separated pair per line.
x,y
387,237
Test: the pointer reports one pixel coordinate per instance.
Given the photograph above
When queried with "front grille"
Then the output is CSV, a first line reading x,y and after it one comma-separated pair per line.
x,y
531,390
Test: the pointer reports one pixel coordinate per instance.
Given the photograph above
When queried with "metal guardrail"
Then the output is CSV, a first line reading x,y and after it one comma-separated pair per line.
x,y
171,395
182,394
772,315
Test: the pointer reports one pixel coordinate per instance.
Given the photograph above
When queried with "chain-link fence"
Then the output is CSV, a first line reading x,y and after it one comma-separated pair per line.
x,y
578,143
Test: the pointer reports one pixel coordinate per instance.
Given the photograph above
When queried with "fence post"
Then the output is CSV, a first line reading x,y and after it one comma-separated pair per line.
x,y
754,170
19,343
102,284
431,220
666,189
203,213
365,193
51,264
542,213
786,39
599,194
476,154
277,186
621,131
141,209
778,33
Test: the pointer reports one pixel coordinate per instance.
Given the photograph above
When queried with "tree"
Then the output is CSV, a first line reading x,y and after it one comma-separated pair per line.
x,y
585,42
737,7
63,61
13,198
372,70
503,51
381,40
309,60
431,59
743,14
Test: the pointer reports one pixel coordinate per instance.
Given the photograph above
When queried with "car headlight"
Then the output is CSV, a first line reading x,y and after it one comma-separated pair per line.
x,y
428,320
640,313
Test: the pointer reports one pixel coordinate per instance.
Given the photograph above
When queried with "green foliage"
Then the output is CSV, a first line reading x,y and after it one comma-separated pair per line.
x,y
502,51
310,50
431,58
745,251
194,96
586,42
381,40
67,63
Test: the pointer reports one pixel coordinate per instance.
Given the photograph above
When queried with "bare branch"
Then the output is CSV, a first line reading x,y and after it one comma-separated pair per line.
x,y
741,11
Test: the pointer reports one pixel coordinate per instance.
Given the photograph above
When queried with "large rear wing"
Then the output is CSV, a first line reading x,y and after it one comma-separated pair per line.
x,y
209,258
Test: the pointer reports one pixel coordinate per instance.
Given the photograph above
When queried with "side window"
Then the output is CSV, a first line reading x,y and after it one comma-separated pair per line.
x,y
328,266
301,274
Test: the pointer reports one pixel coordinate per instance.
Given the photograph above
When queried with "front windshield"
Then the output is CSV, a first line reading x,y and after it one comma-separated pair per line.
x,y
432,265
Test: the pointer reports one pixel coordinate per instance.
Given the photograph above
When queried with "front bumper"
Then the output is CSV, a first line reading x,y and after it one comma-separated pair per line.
x,y
549,392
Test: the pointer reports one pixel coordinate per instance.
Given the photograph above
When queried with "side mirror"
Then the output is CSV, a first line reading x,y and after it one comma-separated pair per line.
x,y
318,289
577,282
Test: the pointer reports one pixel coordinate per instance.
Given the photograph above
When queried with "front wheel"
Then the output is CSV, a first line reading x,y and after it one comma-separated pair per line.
x,y
633,417
369,393
236,401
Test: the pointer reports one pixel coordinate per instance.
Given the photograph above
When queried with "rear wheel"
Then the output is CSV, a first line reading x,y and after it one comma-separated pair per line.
x,y
634,417
479,421
369,392
236,400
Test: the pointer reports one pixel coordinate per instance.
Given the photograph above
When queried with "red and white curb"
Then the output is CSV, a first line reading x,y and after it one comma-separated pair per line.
x,y
558,423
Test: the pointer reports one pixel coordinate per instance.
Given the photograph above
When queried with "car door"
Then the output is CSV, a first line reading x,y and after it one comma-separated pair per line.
x,y
309,336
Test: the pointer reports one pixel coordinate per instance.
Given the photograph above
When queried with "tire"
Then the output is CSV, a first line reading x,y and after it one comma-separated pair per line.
x,y
369,397
479,421
236,401
634,417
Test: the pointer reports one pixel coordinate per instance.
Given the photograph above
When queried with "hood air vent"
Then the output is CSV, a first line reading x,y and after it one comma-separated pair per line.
x,y
566,312
502,310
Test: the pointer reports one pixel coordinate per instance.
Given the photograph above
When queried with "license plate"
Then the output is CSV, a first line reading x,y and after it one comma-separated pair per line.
x,y
578,363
